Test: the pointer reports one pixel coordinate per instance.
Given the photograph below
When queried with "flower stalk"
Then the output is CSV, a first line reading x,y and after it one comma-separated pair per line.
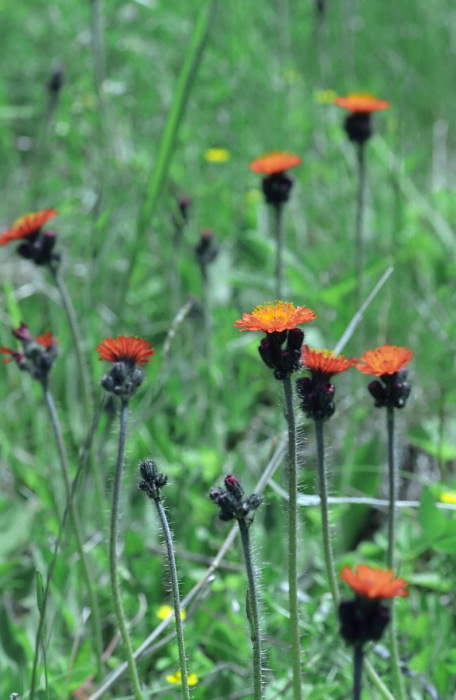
x,y
233,505
113,538
324,509
152,484
293,539
252,611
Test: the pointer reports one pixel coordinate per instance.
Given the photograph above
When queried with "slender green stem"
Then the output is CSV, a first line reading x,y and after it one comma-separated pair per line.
x,y
166,146
358,655
390,560
279,237
377,681
324,508
253,612
392,487
293,540
95,613
360,222
176,599
76,333
121,620
98,53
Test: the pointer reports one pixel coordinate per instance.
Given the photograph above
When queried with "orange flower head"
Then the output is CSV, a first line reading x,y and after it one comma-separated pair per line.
x,y
47,340
274,317
132,350
361,103
27,225
374,584
386,359
325,361
275,162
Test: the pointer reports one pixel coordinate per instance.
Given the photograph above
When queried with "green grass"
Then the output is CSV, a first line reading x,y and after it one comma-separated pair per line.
x,y
254,91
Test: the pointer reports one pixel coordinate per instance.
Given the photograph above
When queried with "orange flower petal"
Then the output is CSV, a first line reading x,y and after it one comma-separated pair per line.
x,y
27,225
386,359
46,339
131,349
325,361
275,316
373,583
275,162
361,102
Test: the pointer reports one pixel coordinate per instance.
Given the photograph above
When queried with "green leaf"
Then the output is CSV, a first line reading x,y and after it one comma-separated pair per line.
x,y
431,519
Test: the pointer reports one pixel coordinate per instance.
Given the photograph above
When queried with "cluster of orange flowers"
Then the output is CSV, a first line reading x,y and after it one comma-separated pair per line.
x,y
275,317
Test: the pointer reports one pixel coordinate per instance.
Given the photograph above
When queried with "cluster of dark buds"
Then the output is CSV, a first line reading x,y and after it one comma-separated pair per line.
x,y
317,397
363,620
125,353
153,480
37,354
232,504
277,188
206,250
123,379
358,127
392,390
283,358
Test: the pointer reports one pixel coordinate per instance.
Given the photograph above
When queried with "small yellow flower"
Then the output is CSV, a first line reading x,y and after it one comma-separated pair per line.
x,y
177,678
448,497
165,610
217,155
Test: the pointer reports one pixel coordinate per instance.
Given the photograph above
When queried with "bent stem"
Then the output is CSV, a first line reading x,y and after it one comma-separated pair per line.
x,y
393,489
360,218
176,598
120,615
278,234
252,611
293,540
324,508
95,613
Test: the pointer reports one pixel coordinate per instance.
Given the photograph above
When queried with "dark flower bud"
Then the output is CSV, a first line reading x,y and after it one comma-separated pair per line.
x,y
184,204
362,620
206,249
233,485
153,480
377,390
22,333
231,502
277,188
295,339
358,127
269,352
55,82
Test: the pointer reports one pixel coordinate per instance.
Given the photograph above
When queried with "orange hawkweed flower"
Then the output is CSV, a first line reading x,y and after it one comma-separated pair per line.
x,y
374,584
133,350
325,361
386,359
27,225
275,316
275,162
361,103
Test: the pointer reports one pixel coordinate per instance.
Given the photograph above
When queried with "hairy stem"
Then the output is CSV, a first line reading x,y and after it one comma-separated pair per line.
x,y
293,540
121,620
253,612
176,598
360,219
324,508
390,560
278,234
